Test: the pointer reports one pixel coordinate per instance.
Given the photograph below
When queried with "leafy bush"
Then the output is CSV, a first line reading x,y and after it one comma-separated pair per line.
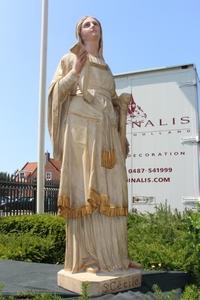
x,y
165,240
42,225
157,240
36,238
191,292
159,295
192,244
26,247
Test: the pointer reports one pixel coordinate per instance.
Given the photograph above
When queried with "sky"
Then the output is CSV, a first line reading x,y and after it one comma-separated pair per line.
x,y
137,35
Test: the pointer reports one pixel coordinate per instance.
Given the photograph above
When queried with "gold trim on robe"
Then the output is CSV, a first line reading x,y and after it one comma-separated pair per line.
x,y
95,201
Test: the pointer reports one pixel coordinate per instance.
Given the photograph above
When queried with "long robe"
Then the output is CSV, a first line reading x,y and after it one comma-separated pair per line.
x,y
93,186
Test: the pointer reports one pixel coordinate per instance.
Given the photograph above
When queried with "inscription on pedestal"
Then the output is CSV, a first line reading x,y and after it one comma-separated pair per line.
x,y
119,284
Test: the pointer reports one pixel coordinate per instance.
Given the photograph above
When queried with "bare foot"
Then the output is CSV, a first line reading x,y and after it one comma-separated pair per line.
x,y
134,265
93,269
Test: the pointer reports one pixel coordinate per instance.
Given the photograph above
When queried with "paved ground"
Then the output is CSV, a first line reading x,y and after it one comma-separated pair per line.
x,y
22,277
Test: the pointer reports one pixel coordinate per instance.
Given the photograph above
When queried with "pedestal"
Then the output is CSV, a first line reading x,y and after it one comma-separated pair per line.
x,y
100,283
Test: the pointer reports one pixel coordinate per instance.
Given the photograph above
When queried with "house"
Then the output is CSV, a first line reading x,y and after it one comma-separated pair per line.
x,y
52,170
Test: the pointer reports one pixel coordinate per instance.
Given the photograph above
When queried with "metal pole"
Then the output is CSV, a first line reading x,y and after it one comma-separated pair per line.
x,y
42,96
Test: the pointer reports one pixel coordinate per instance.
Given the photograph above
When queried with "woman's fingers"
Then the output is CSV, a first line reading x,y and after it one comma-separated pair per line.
x,y
80,60
82,55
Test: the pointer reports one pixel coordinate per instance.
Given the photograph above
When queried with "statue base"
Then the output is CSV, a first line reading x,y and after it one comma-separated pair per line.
x,y
100,283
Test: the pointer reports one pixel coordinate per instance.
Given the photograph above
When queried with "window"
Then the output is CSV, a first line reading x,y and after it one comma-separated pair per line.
x,y
22,175
48,176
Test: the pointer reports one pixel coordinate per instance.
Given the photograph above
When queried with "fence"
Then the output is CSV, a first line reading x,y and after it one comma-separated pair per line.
x,y
19,196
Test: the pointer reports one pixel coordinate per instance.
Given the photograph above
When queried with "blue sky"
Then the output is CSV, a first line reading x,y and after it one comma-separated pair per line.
x,y
138,34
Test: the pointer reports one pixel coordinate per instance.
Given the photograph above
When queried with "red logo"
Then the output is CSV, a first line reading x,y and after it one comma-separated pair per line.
x,y
135,112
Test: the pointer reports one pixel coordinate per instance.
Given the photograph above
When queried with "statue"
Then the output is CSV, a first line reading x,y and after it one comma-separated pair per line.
x,y
87,125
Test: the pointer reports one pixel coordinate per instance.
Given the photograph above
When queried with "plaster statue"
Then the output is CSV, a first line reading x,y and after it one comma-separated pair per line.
x,y
87,125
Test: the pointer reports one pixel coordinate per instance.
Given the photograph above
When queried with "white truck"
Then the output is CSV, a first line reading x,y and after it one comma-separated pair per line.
x,y
163,133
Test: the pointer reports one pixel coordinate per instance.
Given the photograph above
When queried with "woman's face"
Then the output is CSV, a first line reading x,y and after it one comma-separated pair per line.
x,y
90,30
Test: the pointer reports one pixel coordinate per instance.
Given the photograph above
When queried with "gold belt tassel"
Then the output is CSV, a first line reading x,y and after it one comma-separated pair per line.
x,y
108,159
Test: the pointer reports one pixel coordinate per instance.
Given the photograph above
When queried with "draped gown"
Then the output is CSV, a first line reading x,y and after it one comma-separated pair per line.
x,y
93,186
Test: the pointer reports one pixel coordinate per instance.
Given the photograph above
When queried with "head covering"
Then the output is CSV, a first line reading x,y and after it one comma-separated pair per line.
x,y
78,33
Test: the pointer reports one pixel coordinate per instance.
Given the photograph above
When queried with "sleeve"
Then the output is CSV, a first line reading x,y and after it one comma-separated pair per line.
x,y
68,82
59,96
120,104
115,102
65,78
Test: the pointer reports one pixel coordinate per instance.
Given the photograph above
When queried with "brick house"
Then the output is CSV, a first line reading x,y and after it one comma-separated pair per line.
x,y
52,170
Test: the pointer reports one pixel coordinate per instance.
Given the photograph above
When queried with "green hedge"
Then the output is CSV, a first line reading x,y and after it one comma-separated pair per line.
x,y
157,240
166,240
36,238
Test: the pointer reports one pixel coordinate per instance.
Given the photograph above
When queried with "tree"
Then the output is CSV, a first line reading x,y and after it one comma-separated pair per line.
x,y
3,175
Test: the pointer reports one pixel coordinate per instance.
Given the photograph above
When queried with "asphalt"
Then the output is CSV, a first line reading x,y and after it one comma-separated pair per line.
x,y
21,278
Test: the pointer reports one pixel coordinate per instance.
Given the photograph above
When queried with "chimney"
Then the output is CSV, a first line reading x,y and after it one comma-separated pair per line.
x,y
47,157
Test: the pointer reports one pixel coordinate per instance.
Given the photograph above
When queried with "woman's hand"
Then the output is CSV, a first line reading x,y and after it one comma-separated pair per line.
x,y
80,61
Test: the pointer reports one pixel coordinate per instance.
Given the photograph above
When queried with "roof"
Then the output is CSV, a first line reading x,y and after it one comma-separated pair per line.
x,y
29,167
55,163
183,66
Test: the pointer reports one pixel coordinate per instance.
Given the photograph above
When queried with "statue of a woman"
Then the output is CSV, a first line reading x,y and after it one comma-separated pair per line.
x,y
84,113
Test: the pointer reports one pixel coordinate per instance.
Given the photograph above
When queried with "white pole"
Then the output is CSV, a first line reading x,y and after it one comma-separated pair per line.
x,y
42,96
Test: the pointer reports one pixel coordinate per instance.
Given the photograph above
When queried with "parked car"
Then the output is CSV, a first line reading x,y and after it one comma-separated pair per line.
x,y
22,203
4,199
